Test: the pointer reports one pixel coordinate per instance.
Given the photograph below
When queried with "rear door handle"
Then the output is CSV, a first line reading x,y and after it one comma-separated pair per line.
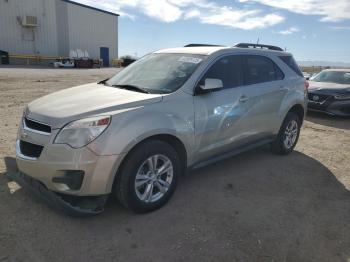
x,y
243,99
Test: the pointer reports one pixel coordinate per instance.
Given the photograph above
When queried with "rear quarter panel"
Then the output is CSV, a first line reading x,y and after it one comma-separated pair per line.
x,y
294,94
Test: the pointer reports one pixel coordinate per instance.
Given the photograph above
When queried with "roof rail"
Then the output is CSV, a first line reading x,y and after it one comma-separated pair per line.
x,y
249,45
197,45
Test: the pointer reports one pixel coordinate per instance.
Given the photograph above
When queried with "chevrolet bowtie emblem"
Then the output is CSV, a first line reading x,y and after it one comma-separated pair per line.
x,y
315,98
24,135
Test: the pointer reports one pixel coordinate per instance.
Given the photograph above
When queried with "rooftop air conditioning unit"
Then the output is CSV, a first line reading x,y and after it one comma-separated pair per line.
x,y
29,21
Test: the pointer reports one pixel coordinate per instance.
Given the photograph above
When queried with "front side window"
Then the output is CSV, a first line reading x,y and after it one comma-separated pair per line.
x,y
228,70
158,73
260,70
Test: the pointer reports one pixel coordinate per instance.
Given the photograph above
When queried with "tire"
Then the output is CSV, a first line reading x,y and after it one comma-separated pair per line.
x,y
281,145
138,166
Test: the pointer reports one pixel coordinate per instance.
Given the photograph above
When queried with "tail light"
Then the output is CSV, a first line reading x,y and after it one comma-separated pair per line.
x,y
306,84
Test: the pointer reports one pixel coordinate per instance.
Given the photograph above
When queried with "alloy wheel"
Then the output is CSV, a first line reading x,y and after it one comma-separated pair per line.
x,y
154,178
290,134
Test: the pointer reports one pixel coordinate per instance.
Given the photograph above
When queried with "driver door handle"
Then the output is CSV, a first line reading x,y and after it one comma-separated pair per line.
x,y
243,99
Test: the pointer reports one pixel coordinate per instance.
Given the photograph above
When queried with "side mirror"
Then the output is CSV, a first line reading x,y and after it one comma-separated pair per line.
x,y
210,84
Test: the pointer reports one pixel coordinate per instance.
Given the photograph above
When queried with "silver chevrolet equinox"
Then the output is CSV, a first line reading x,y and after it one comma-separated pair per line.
x,y
134,134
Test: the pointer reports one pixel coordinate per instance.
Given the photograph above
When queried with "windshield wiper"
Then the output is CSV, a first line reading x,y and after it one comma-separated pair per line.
x,y
103,82
133,88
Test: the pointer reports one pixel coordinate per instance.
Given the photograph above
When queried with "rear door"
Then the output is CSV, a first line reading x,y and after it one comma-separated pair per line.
x,y
264,90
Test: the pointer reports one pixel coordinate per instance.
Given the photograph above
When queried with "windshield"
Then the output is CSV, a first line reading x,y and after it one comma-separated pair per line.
x,y
339,77
158,73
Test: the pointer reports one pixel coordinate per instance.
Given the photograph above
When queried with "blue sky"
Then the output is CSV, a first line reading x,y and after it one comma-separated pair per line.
x,y
310,29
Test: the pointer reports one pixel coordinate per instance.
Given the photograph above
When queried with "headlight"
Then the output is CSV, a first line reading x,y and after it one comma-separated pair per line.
x,y
81,132
342,96
25,110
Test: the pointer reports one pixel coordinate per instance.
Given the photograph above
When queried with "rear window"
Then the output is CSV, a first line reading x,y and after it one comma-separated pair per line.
x,y
289,60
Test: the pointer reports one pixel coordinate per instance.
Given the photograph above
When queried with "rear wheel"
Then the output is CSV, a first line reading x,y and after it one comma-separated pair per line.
x,y
148,176
288,135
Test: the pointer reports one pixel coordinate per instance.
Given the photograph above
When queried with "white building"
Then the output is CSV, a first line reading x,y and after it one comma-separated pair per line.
x,y
54,27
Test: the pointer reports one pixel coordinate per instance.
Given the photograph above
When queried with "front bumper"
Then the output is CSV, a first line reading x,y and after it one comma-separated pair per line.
x,y
56,161
329,105
82,206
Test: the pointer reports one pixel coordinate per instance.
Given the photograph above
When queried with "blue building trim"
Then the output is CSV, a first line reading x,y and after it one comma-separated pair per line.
x,y
90,7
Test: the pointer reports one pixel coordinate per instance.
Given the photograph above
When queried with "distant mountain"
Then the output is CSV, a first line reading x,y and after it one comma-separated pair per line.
x,y
323,63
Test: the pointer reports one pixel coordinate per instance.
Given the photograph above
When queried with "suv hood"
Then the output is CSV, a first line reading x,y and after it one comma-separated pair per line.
x,y
67,105
328,87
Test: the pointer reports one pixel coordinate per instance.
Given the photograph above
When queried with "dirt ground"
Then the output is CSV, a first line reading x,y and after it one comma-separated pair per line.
x,y
253,207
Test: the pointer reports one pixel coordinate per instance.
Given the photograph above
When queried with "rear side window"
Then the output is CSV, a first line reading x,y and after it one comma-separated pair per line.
x,y
279,73
228,70
289,60
261,69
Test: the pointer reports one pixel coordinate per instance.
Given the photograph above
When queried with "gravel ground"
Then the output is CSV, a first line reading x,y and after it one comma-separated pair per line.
x,y
253,207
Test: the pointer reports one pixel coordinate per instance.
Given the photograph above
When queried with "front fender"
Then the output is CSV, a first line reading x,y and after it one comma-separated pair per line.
x,y
129,128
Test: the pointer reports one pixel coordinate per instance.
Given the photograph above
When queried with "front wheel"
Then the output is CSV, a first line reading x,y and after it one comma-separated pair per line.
x,y
288,135
148,176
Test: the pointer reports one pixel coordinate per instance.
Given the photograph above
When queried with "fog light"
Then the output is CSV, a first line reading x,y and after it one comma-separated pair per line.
x,y
72,178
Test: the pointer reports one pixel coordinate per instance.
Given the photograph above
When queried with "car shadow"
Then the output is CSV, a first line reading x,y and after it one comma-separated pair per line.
x,y
253,207
327,120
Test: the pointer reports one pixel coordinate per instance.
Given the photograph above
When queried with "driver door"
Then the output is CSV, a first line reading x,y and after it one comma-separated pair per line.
x,y
219,114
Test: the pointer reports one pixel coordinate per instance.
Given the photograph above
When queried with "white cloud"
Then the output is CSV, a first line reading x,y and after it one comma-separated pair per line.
x,y
340,27
260,21
192,14
242,19
206,11
161,10
289,31
111,6
329,10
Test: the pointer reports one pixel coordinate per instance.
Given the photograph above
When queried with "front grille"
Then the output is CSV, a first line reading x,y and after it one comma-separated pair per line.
x,y
320,98
37,126
30,150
